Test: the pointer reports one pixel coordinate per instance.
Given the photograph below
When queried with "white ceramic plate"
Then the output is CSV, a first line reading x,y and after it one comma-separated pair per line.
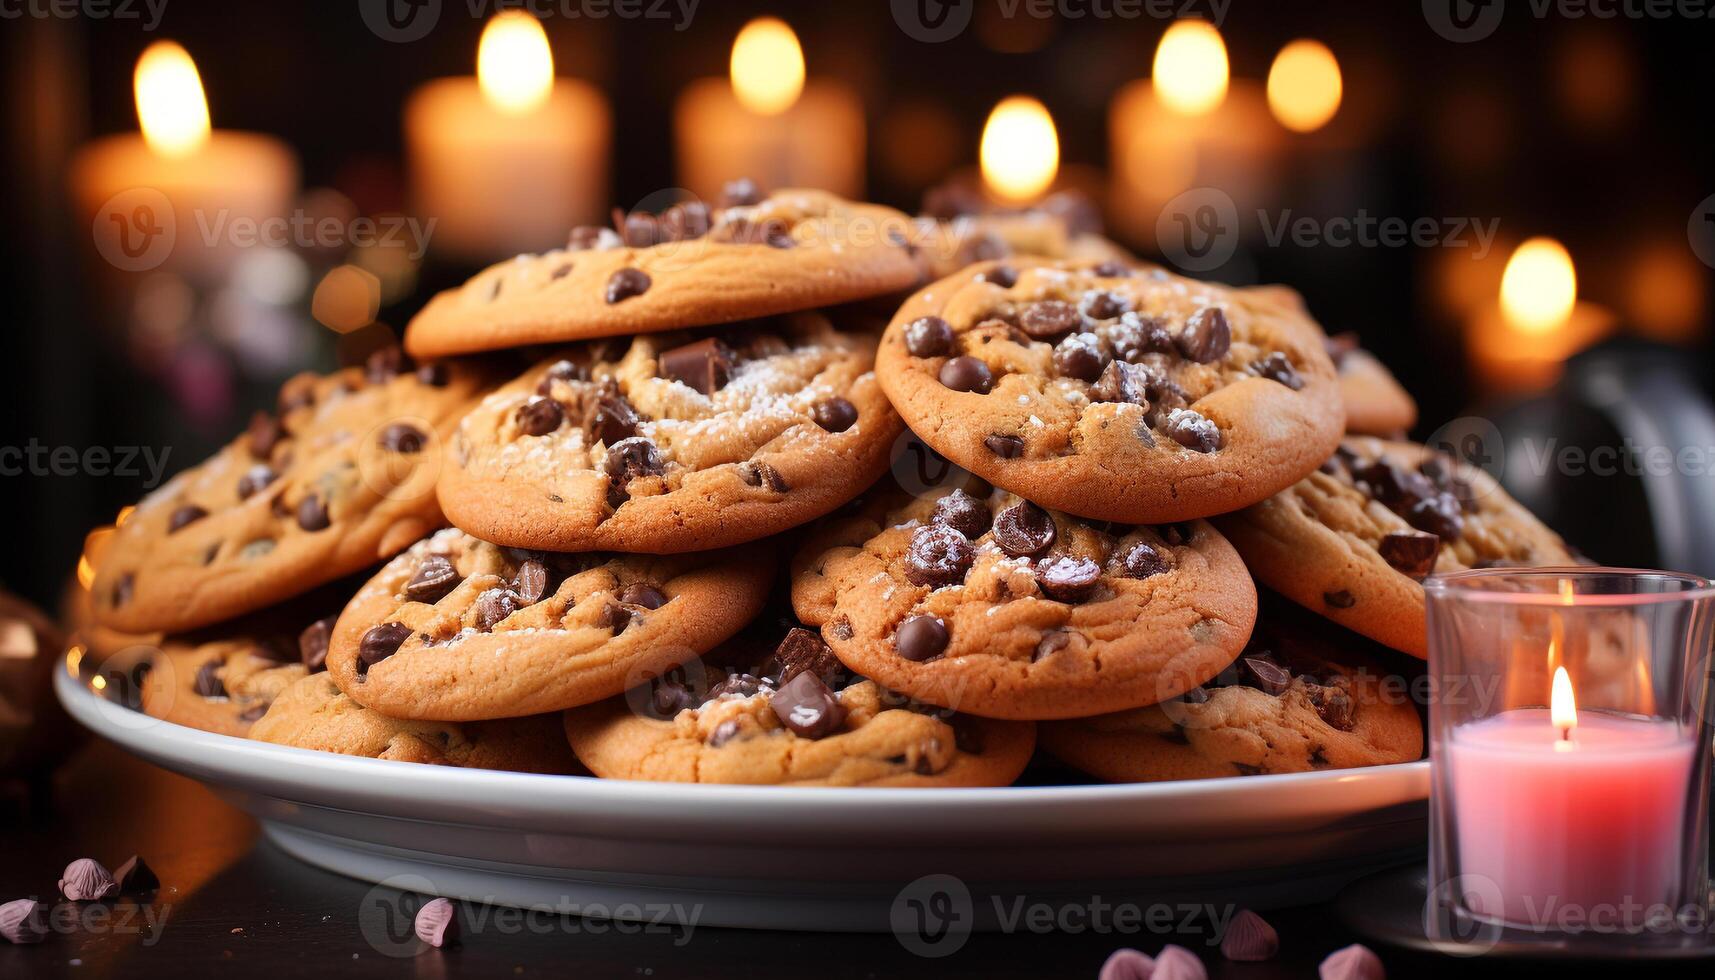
x,y
794,858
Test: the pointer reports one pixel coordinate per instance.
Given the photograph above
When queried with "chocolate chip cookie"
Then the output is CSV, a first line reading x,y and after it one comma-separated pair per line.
x,y
314,714
798,718
1354,540
1296,701
950,245
674,442
1112,392
340,477
1376,404
689,266
458,629
989,604
222,686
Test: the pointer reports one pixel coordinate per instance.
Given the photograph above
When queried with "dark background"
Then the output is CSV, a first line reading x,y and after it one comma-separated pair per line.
x,y
1486,129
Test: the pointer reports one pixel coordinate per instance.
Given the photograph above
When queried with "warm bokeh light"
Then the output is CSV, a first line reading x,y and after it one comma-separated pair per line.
x,y
767,66
74,659
1190,73
1304,86
1020,150
514,67
1539,287
347,298
1666,293
1562,706
171,108
98,682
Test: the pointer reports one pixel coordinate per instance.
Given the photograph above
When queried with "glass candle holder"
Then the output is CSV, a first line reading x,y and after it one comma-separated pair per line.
x,y
1571,757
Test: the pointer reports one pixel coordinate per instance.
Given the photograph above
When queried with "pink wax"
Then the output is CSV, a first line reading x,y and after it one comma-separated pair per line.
x,y
1593,823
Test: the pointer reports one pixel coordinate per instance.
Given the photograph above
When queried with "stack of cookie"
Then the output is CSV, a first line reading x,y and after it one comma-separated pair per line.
x,y
556,523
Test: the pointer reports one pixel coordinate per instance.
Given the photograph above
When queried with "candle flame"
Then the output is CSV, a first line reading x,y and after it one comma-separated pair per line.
x,y
98,682
767,66
1562,706
1539,287
1304,86
1190,72
171,108
1020,149
514,67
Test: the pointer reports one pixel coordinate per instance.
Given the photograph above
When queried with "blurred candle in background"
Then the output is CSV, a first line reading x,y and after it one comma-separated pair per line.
x,y
767,121
1521,341
1304,86
1020,151
511,160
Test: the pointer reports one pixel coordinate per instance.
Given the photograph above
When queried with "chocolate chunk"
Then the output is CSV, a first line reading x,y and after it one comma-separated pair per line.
x,y
1335,706
1262,673
1051,642
1190,429
921,638
384,365
1411,553
668,696
631,458
1081,356
1206,336
626,283
938,556
966,373
1024,529
313,514
637,229
740,193
434,578
724,732
1197,695
1049,319
705,365
135,877
1111,269
614,616
612,419
254,479
739,685
807,707
563,371
1340,599
1122,382
380,643
264,433
401,437
122,588
22,922
493,606
759,474
642,594
1142,561
684,221
313,643
530,583
1068,578
208,682
1177,534
834,414
585,238
1004,276
803,650
188,514
963,513
929,336
1099,304
1006,447
434,375
1275,367
1134,335
540,416
1439,514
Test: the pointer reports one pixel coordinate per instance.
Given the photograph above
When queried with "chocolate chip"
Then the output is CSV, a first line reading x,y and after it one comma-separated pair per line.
x,y
807,707
637,229
1411,553
1206,336
614,617
1006,447
612,419
1122,382
401,437
1049,319
1142,561
493,606
264,433
1081,356
122,588
313,643
254,479
1335,706
1340,599
1439,514
380,643
1068,578
562,370
434,578
1051,642
801,651
384,365
1134,335
1111,269
188,514
1275,367
1177,534
685,220
724,732
1262,673
540,416
834,414
668,696
1190,429
929,336
1004,276
963,513
705,365
938,556
1099,304
530,583
759,474
1197,695
135,877
631,458
313,514
642,594
208,682
626,283
1024,529
966,373
921,638
434,375
742,192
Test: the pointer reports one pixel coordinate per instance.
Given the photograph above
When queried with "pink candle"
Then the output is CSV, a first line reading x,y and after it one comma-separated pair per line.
x,y
1588,822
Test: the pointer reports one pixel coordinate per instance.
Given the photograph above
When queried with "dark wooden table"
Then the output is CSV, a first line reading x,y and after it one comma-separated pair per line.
x,y
234,902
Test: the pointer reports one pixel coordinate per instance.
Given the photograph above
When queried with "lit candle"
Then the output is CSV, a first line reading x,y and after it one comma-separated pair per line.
x,y
1020,151
768,122
1557,810
1522,340
179,192
511,160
